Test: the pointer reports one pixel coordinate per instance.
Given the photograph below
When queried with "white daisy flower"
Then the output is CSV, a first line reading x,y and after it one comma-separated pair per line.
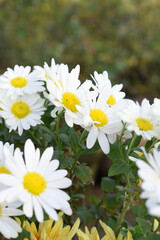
x,y
149,172
114,94
23,112
3,168
36,182
47,71
101,121
9,228
65,92
19,81
140,119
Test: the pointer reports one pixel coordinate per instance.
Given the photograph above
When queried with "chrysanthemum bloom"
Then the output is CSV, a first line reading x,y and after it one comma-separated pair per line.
x,y
9,228
23,112
64,92
53,68
140,119
149,172
114,94
100,120
36,182
19,81
49,231
109,234
3,168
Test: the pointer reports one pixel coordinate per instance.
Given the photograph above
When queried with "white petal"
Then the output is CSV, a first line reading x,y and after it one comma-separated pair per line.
x,y
92,137
103,142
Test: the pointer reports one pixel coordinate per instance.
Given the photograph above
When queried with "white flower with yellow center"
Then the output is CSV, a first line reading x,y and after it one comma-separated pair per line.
x,y
64,92
47,71
3,168
114,94
36,182
156,110
23,112
9,228
140,119
149,172
19,81
101,122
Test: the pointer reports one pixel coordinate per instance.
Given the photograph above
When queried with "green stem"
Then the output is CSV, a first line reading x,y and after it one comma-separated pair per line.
x,y
152,145
120,138
57,128
131,145
120,149
121,218
82,136
36,140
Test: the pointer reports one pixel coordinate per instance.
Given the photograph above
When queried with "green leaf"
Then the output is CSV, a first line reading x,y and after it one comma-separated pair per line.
x,y
111,201
137,141
114,154
84,214
139,210
108,184
67,162
83,172
78,196
144,224
74,138
90,151
118,167
57,154
152,236
64,138
23,234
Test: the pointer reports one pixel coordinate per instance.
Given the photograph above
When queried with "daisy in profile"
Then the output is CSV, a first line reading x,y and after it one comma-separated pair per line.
x,y
50,230
149,172
100,121
114,94
23,112
36,182
64,92
20,81
9,228
47,71
3,168
140,119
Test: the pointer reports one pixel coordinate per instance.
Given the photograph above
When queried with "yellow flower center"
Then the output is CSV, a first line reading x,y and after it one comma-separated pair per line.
x,y
70,100
20,109
34,183
19,82
111,100
0,210
144,124
4,170
99,116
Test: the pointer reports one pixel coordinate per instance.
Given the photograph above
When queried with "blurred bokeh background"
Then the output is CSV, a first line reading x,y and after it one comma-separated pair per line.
x,y
120,36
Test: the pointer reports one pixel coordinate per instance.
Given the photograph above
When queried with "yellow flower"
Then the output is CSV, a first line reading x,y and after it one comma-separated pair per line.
x,y
48,231
109,234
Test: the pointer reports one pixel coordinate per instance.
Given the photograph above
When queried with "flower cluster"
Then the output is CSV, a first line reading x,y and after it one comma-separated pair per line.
x,y
32,182
93,104
48,231
20,104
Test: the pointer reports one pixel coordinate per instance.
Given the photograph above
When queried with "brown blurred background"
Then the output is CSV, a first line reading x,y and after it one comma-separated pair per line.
x,y
120,36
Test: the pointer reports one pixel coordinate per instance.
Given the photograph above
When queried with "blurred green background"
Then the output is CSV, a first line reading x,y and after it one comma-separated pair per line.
x,y
120,36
